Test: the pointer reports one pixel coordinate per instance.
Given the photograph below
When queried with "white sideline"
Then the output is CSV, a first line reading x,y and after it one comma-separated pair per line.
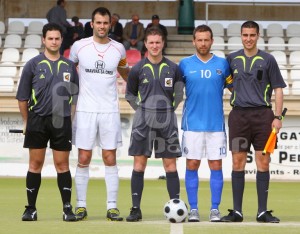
x,y
176,228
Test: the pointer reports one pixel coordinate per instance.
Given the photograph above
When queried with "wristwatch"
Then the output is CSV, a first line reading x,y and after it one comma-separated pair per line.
x,y
278,117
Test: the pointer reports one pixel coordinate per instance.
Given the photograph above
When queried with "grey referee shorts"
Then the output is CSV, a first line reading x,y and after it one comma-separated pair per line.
x,y
156,130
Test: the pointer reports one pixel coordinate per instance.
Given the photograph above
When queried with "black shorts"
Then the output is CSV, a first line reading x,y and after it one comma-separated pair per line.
x,y
249,126
153,129
41,129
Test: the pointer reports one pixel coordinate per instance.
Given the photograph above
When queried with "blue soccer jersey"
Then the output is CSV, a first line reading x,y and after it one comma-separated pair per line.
x,y
204,85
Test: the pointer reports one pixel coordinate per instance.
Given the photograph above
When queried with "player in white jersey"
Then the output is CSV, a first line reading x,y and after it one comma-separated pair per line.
x,y
205,76
97,118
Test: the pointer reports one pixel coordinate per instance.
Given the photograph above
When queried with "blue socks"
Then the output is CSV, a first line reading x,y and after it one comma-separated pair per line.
x,y
216,188
191,185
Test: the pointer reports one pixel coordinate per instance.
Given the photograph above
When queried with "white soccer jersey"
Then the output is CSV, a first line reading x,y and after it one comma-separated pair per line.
x,y
97,67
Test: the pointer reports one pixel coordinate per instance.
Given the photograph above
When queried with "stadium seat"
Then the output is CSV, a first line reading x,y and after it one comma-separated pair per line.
x,y
6,84
2,27
234,43
275,30
294,58
13,41
261,30
295,88
66,53
283,72
233,30
293,30
217,29
295,72
286,90
260,44
35,27
10,55
28,54
218,40
33,41
16,27
280,57
219,53
8,69
276,43
294,43
133,56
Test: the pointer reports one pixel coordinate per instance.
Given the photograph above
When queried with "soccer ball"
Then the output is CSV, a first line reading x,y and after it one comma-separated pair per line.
x,y
175,211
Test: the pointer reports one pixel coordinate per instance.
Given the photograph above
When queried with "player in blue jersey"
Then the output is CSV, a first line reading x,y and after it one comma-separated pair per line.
x,y
205,76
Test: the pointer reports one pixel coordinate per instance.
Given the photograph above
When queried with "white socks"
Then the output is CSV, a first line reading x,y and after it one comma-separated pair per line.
x,y
81,181
111,181
112,186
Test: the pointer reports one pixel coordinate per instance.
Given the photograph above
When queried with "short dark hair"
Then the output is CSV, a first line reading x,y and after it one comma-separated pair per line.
x,y
59,2
52,27
203,28
154,30
155,17
102,11
250,24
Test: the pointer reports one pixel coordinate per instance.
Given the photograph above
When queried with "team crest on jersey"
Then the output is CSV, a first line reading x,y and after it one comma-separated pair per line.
x,y
168,82
219,71
185,150
67,76
99,64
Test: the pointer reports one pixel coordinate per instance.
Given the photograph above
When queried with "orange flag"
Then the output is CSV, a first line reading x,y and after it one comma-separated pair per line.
x,y
270,145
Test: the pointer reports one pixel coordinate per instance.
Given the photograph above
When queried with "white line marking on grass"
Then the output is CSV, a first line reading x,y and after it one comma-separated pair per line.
x,y
176,228
207,223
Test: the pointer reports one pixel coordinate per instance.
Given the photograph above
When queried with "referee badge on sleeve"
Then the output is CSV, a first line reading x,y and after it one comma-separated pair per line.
x,y
168,82
67,76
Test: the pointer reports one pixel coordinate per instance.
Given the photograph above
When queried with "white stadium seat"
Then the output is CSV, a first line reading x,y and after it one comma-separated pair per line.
x,y
260,44
8,69
234,30
280,57
218,40
219,53
234,43
35,27
6,84
286,90
294,58
296,88
276,43
295,72
16,27
28,54
293,30
294,43
217,29
10,55
2,27
275,30
13,41
33,41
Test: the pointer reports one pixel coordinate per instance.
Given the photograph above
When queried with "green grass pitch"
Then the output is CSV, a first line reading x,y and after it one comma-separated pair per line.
x,y
284,198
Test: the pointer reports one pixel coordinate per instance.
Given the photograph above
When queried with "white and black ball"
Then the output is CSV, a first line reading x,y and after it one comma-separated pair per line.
x,y
175,211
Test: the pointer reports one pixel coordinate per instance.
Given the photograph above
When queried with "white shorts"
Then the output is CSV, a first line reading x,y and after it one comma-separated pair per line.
x,y
198,145
97,129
